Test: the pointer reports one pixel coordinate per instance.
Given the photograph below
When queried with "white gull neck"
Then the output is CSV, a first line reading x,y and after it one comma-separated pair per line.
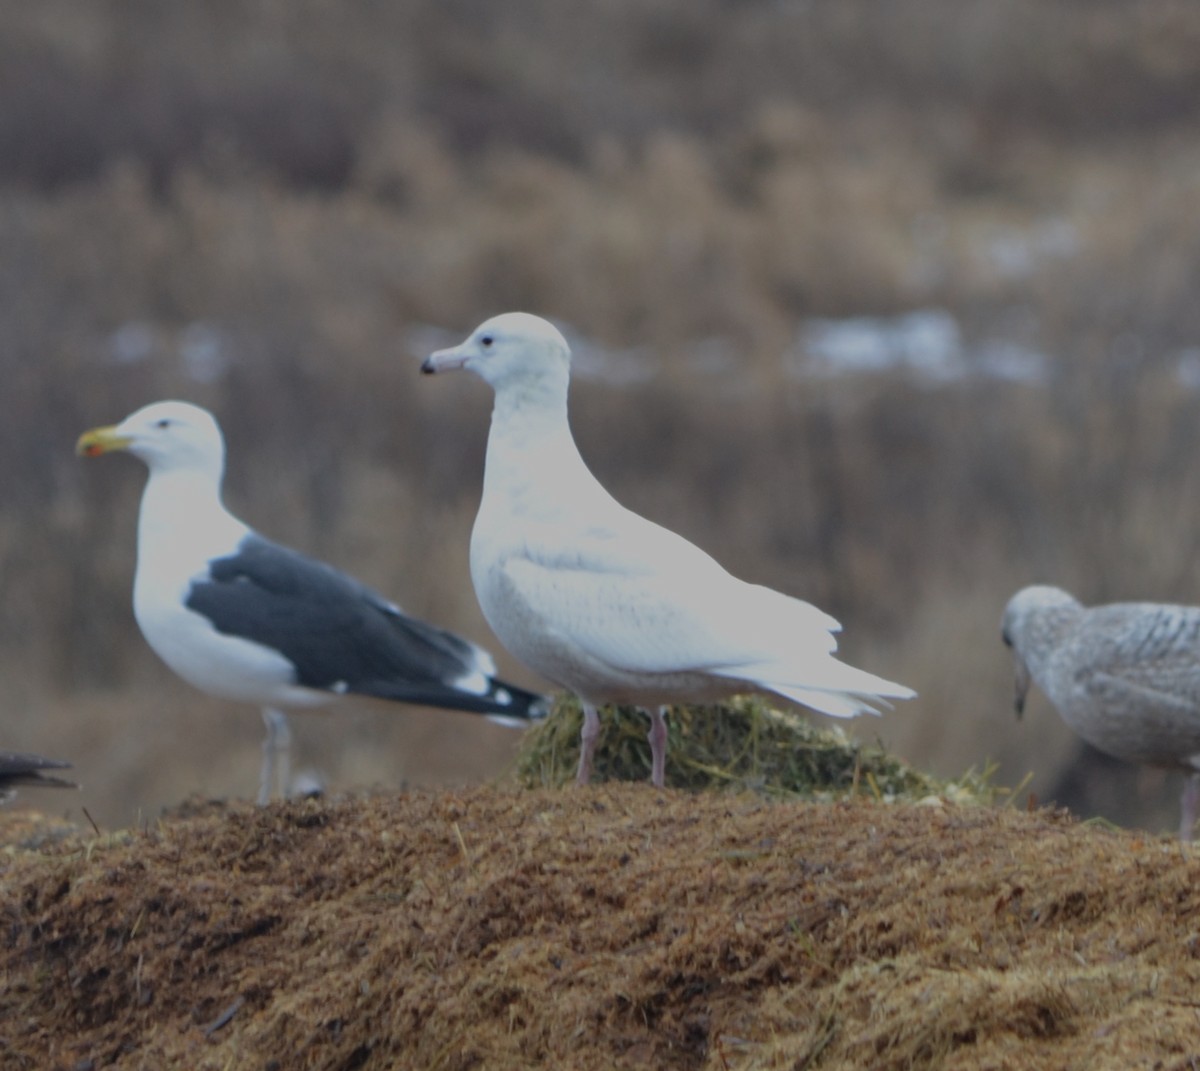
x,y
181,523
530,443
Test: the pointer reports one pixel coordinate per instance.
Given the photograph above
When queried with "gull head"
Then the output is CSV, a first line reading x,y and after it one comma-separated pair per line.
x,y
1031,620
512,347
165,435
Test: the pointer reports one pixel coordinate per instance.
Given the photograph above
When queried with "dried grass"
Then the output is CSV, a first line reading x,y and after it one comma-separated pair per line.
x,y
740,746
613,927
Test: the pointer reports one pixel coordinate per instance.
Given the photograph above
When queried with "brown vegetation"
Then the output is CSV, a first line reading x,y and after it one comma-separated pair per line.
x,y
259,207
744,745
612,927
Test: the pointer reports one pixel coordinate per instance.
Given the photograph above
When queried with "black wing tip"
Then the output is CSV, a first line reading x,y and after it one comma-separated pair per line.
x,y
523,712
518,703
36,780
30,761
502,700
17,768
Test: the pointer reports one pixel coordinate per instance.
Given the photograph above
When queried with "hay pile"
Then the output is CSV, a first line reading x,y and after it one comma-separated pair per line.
x,y
742,745
610,927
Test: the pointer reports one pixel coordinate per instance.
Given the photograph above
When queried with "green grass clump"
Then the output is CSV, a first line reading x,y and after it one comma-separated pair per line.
x,y
742,745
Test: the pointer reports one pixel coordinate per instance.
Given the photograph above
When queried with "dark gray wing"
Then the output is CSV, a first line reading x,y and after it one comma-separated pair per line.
x,y
17,769
342,637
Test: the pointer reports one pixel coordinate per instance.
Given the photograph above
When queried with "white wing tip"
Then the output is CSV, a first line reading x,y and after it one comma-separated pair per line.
x,y
477,683
483,660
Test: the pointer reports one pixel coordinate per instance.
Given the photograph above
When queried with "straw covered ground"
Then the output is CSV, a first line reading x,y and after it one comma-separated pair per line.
x,y
610,927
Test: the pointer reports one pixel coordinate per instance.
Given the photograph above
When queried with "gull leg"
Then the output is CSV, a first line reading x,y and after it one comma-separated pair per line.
x,y
276,760
1190,804
587,743
658,745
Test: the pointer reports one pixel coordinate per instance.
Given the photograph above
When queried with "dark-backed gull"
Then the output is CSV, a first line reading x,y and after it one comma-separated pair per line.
x,y
243,618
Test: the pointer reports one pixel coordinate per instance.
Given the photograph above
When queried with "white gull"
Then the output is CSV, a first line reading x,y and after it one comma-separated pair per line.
x,y
604,602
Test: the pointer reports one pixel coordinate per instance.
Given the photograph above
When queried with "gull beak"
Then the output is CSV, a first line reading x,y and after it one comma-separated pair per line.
x,y
101,441
445,360
1021,685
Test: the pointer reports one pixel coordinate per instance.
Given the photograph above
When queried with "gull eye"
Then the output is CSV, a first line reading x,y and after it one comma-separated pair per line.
x,y
487,341
164,423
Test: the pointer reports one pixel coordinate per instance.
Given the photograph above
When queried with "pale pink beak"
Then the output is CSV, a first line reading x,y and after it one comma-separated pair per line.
x,y
445,360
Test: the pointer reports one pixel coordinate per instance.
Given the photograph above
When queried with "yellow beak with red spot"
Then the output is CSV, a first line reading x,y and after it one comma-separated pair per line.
x,y
102,441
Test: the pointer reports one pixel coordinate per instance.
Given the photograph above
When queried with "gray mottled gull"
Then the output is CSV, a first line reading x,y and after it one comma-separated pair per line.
x,y
18,769
1125,677
243,618
604,602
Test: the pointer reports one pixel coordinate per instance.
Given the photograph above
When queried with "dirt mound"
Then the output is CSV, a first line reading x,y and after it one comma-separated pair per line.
x,y
611,927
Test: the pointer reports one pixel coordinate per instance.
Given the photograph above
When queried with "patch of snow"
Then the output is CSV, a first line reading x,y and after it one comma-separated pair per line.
x,y
205,350
927,342
1187,368
132,343
1015,253
1011,362
604,364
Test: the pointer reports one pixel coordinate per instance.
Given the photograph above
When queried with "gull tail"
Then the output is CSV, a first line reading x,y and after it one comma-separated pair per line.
x,y
833,688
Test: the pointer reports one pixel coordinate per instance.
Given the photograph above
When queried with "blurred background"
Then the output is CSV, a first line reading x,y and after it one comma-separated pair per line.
x,y
891,307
